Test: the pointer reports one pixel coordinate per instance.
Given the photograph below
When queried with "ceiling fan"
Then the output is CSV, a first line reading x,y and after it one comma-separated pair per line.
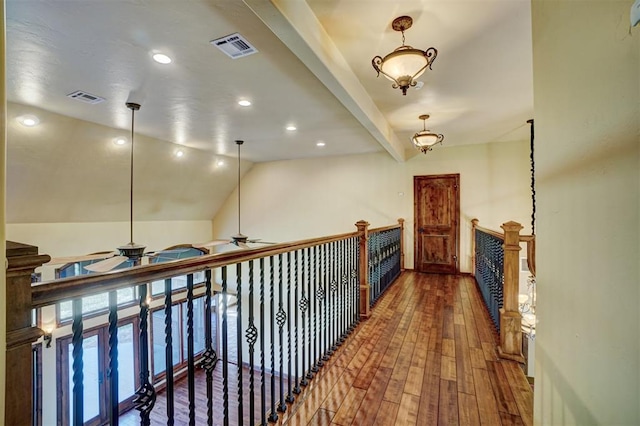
x,y
130,252
240,240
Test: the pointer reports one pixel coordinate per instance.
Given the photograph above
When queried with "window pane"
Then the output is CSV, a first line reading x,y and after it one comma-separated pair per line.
x,y
159,358
126,368
91,378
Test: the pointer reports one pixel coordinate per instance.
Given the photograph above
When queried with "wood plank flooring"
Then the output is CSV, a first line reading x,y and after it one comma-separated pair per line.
x,y
427,356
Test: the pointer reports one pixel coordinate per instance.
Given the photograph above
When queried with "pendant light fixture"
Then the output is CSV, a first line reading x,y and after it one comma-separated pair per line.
x,y
405,64
426,139
132,250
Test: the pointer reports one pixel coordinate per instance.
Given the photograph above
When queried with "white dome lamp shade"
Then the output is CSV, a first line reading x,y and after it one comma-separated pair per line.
x,y
425,140
405,64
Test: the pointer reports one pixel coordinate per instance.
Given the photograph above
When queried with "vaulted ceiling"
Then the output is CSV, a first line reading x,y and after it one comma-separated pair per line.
x,y
312,70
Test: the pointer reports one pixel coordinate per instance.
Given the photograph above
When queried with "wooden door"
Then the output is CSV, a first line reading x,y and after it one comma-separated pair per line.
x,y
436,217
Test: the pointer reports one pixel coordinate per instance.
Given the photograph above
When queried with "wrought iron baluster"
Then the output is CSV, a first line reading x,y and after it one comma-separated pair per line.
x,y
209,357
289,398
112,374
239,340
191,371
168,352
273,415
78,363
315,307
281,318
297,389
304,305
252,336
309,374
343,292
145,396
334,295
356,284
263,392
225,350
322,308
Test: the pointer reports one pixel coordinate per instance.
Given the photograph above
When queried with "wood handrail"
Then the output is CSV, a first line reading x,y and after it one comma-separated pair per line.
x,y
496,234
384,228
56,291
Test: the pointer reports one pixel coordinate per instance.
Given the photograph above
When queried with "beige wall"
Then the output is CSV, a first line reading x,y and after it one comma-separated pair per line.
x,y
69,239
586,94
291,200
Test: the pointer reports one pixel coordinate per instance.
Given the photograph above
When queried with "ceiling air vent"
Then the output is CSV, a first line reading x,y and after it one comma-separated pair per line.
x,y
85,97
234,45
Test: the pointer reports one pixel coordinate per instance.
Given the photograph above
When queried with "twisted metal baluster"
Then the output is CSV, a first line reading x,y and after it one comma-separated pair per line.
x,y
304,304
315,307
289,397
356,284
252,336
209,357
263,392
349,289
145,396
112,373
325,299
168,352
239,340
273,416
191,370
320,299
297,389
78,363
281,318
309,374
343,292
225,352
334,296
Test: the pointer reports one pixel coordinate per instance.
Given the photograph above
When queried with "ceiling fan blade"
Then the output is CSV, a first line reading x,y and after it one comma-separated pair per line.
x,y
259,241
242,245
74,259
107,264
211,243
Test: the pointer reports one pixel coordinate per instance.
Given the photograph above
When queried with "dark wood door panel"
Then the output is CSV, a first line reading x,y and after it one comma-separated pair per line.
x,y
437,211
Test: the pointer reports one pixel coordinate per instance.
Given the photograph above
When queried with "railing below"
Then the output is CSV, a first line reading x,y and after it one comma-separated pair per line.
x,y
283,309
496,266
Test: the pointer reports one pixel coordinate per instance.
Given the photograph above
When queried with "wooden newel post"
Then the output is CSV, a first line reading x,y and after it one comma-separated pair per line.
x,y
474,224
510,317
22,260
401,222
365,308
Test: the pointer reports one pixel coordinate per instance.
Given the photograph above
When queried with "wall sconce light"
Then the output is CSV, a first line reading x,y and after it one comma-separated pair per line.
x,y
405,64
47,335
426,139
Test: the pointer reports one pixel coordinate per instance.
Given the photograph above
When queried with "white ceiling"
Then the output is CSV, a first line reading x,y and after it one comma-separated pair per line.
x,y
313,70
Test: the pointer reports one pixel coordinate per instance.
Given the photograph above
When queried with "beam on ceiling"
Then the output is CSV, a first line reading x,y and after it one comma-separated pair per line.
x,y
295,24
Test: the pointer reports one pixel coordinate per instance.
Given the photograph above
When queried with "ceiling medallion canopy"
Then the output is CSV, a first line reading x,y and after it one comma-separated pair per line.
x,y
426,139
405,64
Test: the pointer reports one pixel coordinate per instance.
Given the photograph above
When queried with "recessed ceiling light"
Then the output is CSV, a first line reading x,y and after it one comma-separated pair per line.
x,y
161,58
220,163
244,103
120,141
179,153
28,120
320,144
291,128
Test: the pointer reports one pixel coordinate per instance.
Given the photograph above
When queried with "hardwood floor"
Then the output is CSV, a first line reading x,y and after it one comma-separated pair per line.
x,y
427,356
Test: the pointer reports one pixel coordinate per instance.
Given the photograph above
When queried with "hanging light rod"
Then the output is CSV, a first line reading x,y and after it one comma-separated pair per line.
x,y
132,250
425,140
405,64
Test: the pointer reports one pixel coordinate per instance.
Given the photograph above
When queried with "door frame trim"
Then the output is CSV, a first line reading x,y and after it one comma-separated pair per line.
x,y
456,176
